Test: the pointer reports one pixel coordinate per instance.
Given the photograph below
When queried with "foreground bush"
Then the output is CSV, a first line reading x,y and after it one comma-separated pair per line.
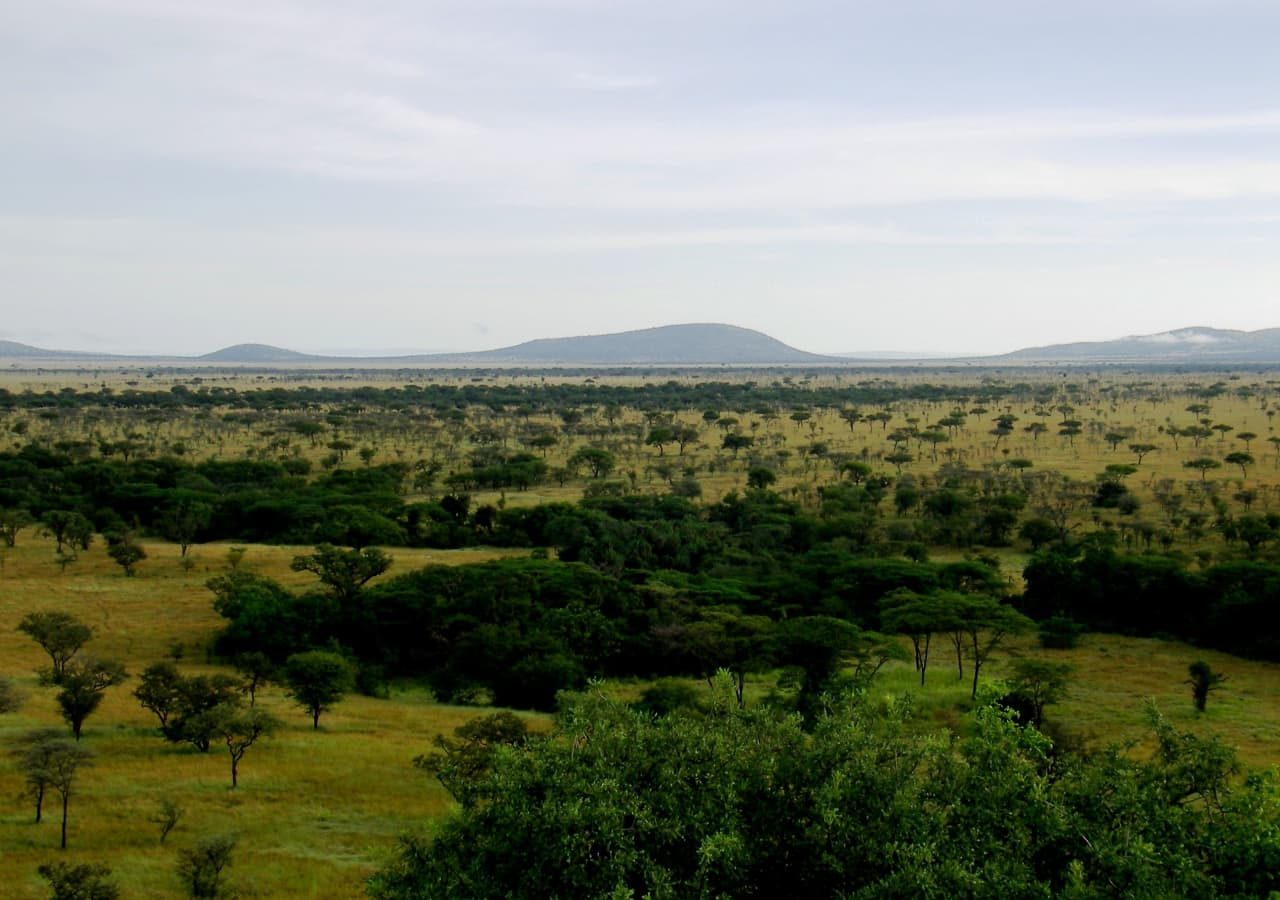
x,y
747,804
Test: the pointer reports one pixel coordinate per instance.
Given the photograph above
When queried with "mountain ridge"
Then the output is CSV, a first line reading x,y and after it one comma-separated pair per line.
x,y
1198,343
721,344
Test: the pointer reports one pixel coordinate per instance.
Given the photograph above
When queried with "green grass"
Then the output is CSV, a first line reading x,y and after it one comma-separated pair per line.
x,y
316,812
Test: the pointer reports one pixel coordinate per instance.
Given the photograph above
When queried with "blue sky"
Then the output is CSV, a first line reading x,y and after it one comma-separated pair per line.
x,y
926,176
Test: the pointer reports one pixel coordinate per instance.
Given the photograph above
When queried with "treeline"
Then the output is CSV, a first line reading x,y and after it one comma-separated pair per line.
x,y
1232,606
785,392
520,630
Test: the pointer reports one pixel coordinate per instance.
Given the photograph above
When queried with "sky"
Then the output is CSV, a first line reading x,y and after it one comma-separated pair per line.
x,y
390,175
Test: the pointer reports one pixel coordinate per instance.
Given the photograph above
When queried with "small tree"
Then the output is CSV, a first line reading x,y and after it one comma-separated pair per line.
x,y
240,729
201,867
32,753
1203,681
125,552
159,690
1241,459
1036,683
257,670
183,521
191,718
11,699
317,680
986,622
11,522
59,634
60,760
599,462
68,529
1202,464
83,685
167,816
86,881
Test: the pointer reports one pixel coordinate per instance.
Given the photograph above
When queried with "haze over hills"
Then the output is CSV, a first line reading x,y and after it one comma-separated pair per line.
x,y
668,344
13,349
1198,344
716,344
259,353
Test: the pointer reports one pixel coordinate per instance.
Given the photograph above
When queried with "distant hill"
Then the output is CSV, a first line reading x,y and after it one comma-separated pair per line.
x,y
259,353
1214,345
667,345
12,349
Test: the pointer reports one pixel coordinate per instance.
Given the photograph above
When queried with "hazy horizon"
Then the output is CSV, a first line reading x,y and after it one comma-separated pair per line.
x,y
913,177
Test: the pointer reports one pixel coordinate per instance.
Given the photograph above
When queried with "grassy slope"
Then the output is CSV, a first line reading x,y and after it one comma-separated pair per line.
x,y
316,812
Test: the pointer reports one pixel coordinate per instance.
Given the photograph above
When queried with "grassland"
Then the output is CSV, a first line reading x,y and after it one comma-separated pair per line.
x,y
315,812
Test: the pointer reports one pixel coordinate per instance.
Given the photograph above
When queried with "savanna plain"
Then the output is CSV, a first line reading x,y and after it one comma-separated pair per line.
x,y
466,543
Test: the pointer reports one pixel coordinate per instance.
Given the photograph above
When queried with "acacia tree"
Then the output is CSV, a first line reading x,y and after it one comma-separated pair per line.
x,y
1202,464
159,690
59,634
599,462
50,762
1241,459
83,685
11,522
1038,683
317,680
240,729
343,572
1141,450
257,670
67,528
32,752
986,622
183,521
920,618
126,552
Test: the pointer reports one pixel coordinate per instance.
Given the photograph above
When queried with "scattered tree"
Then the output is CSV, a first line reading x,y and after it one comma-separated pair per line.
x,y
83,881
343,572
1036,683
317,680
167,817
1203,681
257,670
59,634
240,729
83,684
201,867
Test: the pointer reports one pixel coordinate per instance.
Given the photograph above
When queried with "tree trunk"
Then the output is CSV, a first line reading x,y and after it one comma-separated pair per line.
x,y
39,803
924,658
315,719
64,821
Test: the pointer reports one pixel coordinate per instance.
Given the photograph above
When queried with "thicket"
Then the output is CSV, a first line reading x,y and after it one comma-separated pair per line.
x,y
746,803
